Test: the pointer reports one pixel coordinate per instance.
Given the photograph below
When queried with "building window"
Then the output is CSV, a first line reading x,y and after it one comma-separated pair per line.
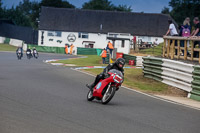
x,y
123,43
83,35
55,33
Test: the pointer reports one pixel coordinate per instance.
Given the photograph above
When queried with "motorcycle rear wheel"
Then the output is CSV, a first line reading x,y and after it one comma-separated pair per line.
x,y
90,96
108,95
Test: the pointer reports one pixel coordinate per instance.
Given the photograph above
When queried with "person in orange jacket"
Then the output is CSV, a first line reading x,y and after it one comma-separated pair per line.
x,y
110,47
104,55
71,48
66,48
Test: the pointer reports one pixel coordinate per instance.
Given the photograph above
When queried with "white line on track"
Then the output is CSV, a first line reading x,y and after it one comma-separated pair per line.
x,y
152,96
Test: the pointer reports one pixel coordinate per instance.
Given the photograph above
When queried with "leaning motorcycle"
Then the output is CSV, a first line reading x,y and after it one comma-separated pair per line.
x,y
19,55
35,54
106,88
29,55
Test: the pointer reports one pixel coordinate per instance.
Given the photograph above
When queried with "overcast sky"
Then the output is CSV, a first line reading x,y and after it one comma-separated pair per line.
x,y
147,6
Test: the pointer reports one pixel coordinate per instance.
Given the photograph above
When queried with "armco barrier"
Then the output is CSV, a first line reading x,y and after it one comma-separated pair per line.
x,y
152,68
2,39
174,73
16,42
195,93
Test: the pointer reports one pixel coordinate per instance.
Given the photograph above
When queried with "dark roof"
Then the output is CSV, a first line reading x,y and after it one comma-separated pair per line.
x,y
79,20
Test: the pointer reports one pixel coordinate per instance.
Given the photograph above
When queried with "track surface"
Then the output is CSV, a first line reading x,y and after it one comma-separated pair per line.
x,y
40,98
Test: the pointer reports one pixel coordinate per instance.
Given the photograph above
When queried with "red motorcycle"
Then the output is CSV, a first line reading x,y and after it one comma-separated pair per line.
x,y
106,88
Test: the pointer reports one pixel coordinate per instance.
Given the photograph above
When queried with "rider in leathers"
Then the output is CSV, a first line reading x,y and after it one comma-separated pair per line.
x,y
118,65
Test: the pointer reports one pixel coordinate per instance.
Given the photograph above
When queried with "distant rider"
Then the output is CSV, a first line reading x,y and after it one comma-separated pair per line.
x,y
34,51
19,50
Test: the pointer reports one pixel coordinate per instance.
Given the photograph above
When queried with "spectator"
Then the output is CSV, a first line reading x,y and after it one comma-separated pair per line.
x,y
71,48
110,47
155,43
173,32
66,48
196,33
104,55
185,31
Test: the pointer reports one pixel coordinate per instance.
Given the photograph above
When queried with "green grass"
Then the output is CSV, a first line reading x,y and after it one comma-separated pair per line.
x,y
134,79
156,51
91,60
7,47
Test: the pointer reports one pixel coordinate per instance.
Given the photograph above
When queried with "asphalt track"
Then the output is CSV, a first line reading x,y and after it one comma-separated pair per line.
x,y
36,97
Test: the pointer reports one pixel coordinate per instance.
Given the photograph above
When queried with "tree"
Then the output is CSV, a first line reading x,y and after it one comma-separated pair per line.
x,y
26,13
124,8
57,3
98,5
105,5
17,17
1,9
165,10
184,8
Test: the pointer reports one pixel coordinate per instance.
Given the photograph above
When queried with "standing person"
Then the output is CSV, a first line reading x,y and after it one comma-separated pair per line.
x,y
71,48
155,43
196,33
173,32
66,49
134,42
185,31
110,47
104,55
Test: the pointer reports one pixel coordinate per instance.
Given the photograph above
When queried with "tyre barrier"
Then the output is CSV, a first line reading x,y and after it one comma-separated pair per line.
x,y
174,73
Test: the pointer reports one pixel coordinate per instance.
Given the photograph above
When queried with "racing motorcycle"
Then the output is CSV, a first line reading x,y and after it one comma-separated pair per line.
x,y
19,54
35,54
106,88
29,54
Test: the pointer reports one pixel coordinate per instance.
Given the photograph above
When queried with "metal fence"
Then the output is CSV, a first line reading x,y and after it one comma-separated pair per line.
x,y
174,73
27,34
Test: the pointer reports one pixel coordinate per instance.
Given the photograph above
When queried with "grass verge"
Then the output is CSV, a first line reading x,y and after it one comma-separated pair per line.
x,y
7,47
91,60
134,79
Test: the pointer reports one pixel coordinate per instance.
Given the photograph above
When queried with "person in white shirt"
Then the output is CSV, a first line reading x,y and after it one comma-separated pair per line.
x,y
155,43
172,29
173,32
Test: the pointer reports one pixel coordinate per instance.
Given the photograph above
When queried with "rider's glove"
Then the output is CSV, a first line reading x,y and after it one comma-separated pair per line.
x,y
106,75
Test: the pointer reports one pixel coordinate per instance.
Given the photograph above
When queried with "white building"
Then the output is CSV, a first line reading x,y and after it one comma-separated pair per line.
x,y
93,29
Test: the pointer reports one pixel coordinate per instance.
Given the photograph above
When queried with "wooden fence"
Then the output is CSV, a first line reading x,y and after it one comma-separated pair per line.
x,y
186,52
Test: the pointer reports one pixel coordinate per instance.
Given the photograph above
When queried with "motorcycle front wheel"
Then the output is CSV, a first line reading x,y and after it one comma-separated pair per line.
x,y
90,96
108,95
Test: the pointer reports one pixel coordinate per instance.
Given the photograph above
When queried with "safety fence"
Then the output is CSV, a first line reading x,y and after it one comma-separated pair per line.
x,y
174,73
59,50
88,51
182,48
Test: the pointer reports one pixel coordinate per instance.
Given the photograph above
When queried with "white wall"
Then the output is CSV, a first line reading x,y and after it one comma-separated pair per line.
x,y
99,39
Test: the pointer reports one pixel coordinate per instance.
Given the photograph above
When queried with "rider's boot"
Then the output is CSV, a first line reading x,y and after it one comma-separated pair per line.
x,y
91,86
